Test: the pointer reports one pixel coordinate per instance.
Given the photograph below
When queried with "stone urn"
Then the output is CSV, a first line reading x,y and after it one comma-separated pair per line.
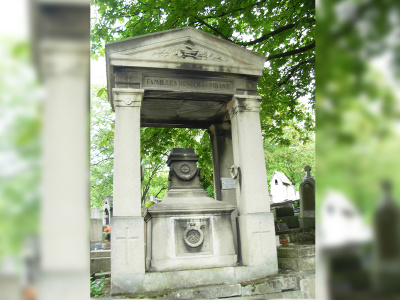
x,y
188,230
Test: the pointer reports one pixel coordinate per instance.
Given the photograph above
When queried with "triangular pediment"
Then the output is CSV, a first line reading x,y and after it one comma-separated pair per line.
x,y
184,48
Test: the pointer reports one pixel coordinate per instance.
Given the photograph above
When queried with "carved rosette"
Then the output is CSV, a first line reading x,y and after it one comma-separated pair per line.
x,y
127,97
243,103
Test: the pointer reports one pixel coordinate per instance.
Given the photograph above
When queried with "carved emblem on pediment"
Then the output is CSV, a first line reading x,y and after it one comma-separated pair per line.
x,y
190,51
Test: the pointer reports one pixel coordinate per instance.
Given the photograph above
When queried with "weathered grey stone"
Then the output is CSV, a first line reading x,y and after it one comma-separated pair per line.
x,y
127,253
286,295
95,213
302,236
297,264
257,236
100,253
100,264
218,291
10,287
222,155
188,229
296,251
96,230
307,286
182,294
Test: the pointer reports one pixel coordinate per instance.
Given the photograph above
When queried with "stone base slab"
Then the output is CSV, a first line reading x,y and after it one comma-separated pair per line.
x,y
100,261
190,263
151,282
284,285
127,240
257,239
297,258
100,265
100,253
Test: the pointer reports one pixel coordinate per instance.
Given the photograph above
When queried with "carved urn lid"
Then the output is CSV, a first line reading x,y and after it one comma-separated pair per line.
x,y
182,154
185,194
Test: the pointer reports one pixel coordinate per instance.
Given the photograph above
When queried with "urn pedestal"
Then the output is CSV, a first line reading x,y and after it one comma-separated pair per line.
x,y
188,230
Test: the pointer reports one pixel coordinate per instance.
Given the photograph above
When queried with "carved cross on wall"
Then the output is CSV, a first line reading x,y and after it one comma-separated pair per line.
x,y
261,232
127,239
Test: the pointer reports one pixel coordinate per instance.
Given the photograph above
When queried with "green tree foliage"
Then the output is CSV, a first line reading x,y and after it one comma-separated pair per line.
x,y
290,158
19,146
358,113
282,31
101,147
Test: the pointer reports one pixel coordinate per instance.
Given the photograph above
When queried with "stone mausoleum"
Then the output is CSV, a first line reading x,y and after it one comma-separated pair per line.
x,y
188,78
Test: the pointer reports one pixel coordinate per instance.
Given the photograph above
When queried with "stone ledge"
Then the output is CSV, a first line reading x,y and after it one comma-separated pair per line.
x,y
299,285
296,251
100,253
151,282
297,264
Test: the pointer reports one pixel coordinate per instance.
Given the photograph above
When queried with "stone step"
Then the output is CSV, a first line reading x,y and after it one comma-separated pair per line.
x,y
299,235
298,285
296,257
100,253
100,265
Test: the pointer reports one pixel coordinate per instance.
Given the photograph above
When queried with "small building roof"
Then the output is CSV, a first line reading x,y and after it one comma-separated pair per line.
x,y
282,177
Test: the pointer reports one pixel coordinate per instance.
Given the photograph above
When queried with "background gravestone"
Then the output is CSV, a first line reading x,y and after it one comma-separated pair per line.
x,y
96,228
307,200
286,215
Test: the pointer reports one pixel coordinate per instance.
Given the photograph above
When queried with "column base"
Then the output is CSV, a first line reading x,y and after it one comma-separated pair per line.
x,y
257,240
127,246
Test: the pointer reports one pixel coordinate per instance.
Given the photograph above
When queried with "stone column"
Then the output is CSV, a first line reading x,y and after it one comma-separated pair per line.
x,y
127,224
222,155
256,223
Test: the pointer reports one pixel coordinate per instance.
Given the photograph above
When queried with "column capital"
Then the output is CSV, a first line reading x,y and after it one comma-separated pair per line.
x,y
243,103
123,97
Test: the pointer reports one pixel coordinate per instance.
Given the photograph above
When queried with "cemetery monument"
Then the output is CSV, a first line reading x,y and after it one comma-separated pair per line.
x,y
189,79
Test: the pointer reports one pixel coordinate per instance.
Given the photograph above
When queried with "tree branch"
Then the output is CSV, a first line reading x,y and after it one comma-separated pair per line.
x,y
268,35
279,84
292,52
163,188
212,28
103,160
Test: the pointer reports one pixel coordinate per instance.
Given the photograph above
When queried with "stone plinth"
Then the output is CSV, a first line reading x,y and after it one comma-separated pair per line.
x,y
188,230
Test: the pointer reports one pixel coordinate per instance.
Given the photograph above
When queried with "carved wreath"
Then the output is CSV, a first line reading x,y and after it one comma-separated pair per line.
x,y
183,171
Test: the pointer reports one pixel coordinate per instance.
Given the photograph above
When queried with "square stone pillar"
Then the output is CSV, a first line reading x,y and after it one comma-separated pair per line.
x,y
222,155
255,221
127,224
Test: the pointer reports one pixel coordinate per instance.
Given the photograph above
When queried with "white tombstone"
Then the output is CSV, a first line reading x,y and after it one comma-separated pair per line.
x,y
96,228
